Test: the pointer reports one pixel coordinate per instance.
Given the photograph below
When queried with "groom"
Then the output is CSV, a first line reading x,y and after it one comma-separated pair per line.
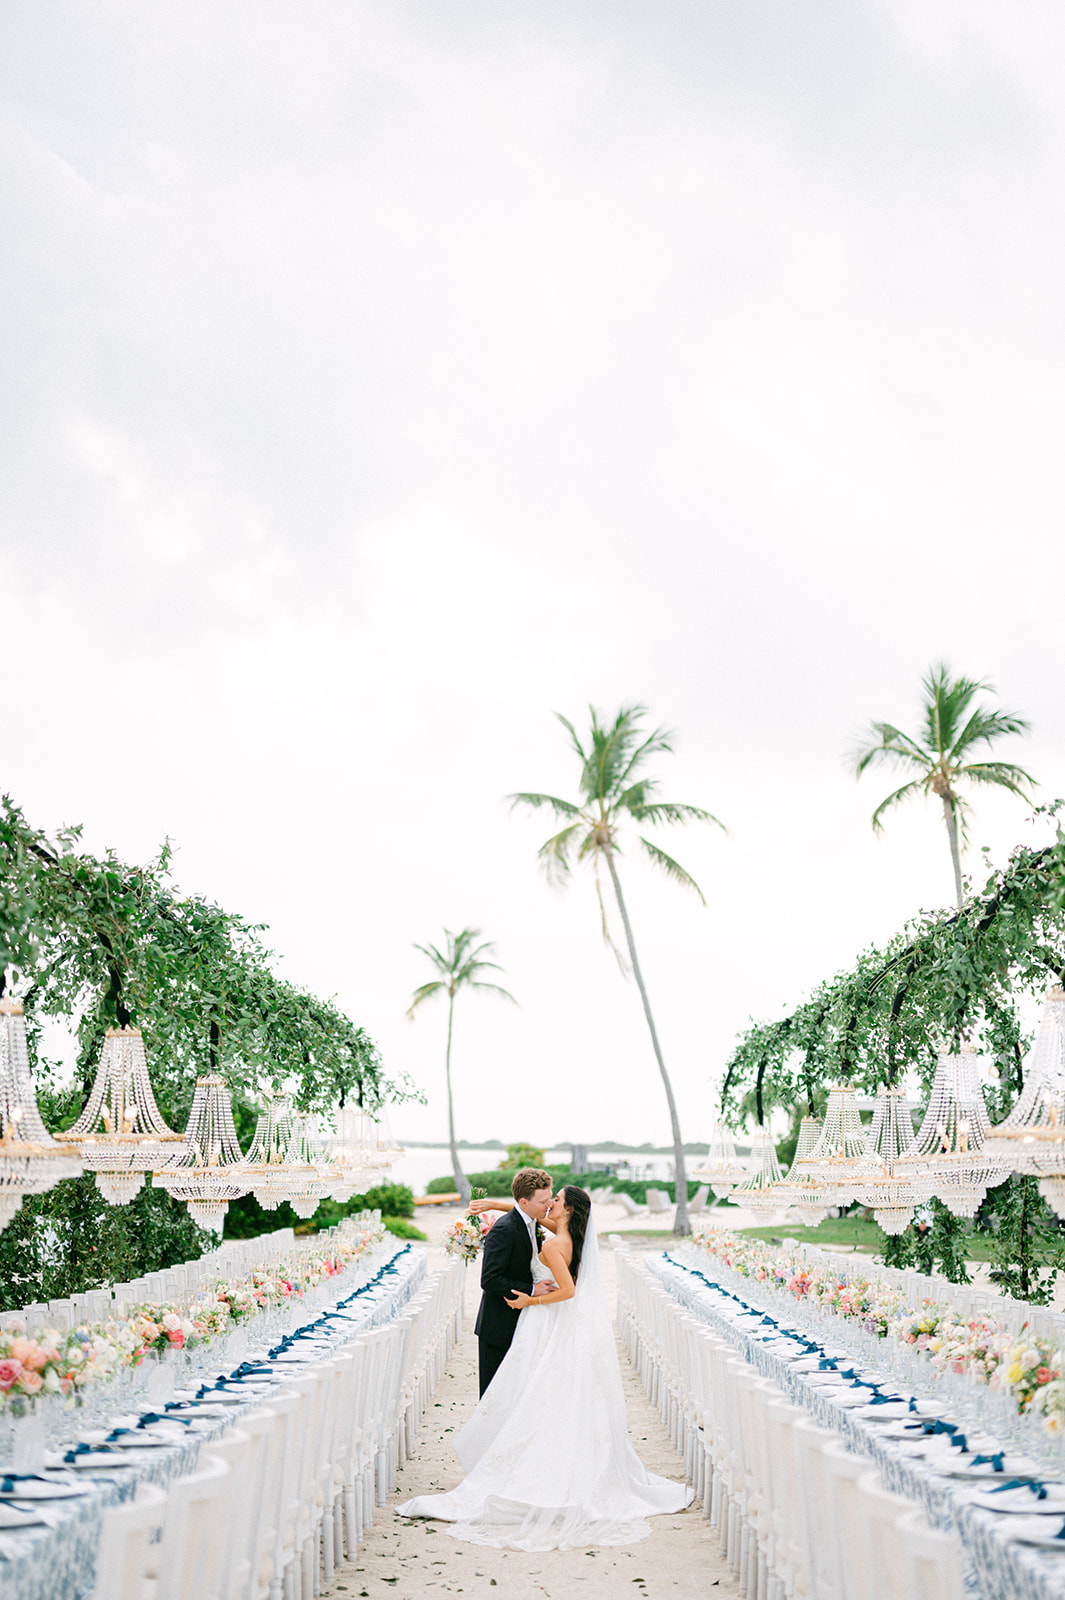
x,y
506,1265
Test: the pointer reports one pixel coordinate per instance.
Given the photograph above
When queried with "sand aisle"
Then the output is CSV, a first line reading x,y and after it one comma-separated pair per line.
x,y
401,1560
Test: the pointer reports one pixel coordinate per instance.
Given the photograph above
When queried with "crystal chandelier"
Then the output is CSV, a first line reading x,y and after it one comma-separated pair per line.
x,y
759,1192
948,1161
883,1184
211,1171
306,1188
121,1133
348,1156
829,1173
793,1189
31,1162
722,1170
1031,1140
267,1164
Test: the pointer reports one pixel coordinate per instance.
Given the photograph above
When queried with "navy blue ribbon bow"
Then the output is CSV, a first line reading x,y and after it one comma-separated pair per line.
x,y
995,1462
1037,1488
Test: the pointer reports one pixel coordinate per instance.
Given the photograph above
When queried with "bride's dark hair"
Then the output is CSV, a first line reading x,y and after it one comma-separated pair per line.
x,y
579,1206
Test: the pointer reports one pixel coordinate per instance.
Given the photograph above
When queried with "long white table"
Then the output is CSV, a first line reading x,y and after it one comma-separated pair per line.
x,y
57,1561
999,1567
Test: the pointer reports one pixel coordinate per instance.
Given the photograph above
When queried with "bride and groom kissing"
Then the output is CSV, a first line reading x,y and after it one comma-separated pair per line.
x,y
550,1387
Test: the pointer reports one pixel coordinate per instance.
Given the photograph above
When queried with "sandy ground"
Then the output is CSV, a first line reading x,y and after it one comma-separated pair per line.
x,y
401,1560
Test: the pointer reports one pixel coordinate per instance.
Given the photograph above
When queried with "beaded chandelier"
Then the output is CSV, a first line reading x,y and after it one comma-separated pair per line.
x,y
211,1171
31,1162
948,1160
793,1189
121,1133
722,1169
1031,1140
832,1168
759,1192
883,1184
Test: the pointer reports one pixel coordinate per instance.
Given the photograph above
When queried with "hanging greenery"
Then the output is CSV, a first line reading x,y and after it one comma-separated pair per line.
x,y
97,943
944,976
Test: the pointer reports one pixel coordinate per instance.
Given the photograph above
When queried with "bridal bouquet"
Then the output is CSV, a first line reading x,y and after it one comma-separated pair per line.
x,y
465,1237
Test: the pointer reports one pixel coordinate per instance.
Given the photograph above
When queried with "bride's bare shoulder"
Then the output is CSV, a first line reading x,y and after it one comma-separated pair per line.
x,y
556,1249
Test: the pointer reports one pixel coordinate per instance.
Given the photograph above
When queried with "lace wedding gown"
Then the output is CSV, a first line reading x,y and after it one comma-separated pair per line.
x,y
548,1460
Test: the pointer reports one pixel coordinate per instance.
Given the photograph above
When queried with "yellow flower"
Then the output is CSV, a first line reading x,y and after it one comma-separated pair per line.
x,y
1014,1372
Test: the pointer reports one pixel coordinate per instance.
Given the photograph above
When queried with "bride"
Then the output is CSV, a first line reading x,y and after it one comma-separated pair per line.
x,y
548,1460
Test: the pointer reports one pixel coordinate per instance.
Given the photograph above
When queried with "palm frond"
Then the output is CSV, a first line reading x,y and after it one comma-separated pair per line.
x,y
913,787
554,853
561,808
663,811
947,702
571,730
893,746
441,962
496,988
1000,774
425,992
671,868
984,727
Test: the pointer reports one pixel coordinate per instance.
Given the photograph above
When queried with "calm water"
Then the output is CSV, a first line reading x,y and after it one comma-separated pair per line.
x,y
418,1166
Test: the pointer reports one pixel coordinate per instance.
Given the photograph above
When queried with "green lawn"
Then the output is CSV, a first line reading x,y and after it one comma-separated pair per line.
x,y
864,1237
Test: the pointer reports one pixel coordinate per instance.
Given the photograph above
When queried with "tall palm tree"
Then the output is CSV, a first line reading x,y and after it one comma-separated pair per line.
x,y
459,964
939,755
612,793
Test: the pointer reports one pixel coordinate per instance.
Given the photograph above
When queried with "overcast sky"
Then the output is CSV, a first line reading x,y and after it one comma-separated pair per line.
x,y
381,377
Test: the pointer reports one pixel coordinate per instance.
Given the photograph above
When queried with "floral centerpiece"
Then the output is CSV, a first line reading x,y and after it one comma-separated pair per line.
x,y
61,1363
1028,1368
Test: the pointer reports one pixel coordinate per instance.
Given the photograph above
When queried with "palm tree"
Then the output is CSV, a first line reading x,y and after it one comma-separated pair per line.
x,y
939,756
459,965
612,792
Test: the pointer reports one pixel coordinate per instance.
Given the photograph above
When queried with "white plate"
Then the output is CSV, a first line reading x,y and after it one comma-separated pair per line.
x,y
846,1396
12,1517
1022,1502
102,1460
43,1489
891,1411
1035,1530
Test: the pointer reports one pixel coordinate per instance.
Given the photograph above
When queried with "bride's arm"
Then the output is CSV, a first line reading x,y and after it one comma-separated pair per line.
x,y
553,1258
476,1207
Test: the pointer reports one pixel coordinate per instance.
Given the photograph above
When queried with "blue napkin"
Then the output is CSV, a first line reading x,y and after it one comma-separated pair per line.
x,y
1037,1488
995,1462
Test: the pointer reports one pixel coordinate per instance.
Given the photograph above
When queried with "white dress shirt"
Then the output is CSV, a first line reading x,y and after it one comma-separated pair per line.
x,y
531,1225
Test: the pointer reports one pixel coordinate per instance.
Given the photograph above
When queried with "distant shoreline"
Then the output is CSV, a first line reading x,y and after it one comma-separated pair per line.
x,y
607,1146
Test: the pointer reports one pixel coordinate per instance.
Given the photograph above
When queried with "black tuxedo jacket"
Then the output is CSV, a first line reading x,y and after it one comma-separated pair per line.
x,y
506,1265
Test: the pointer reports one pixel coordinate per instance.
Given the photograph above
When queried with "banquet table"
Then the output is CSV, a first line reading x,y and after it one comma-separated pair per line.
x,y
56,1561
998,1565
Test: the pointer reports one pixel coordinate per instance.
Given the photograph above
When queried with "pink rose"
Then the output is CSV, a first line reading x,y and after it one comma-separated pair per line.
x,y
176,1337
31,1381
20,1349
1042,1375
9,1371
37,1359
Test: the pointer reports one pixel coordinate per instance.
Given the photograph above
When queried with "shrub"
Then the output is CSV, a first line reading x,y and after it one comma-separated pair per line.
x,y
495,1184
402,1228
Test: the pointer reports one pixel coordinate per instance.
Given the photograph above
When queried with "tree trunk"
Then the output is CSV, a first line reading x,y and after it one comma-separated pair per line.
x,y
681,1225
461,1183
952,834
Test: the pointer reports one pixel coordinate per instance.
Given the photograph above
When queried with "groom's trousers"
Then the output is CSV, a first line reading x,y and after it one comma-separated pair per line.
x,y
489,1360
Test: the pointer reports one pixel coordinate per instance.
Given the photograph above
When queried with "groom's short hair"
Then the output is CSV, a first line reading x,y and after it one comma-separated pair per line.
x,y
527,1180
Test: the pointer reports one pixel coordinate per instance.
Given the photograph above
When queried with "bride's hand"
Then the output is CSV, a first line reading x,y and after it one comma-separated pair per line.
x,y
476,1207
518,1301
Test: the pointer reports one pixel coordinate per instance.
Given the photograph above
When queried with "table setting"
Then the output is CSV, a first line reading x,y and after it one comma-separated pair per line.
x,y
969,1463
54,1491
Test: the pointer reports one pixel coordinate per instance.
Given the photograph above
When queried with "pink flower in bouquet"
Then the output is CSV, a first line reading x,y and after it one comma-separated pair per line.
x,y
30,1382
20,1349
37,1359
176,1337
9,1371
1042,1375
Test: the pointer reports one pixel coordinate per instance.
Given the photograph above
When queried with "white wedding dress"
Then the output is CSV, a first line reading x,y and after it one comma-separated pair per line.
x,y
548,1460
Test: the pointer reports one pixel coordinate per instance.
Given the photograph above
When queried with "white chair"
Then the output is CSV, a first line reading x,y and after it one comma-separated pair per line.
x,y
658,1202
127,1535
190,1558
935,1559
